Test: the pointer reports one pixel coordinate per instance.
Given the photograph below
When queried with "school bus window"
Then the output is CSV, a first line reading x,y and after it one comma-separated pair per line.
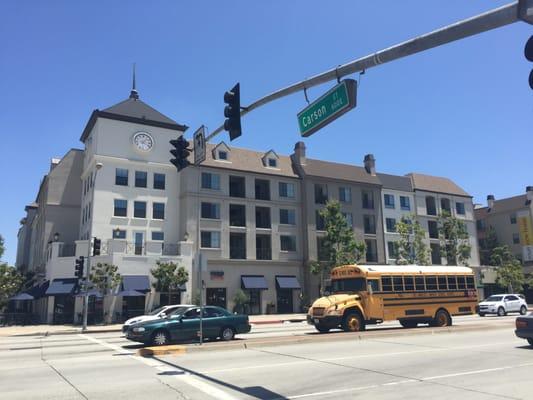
x,y
470,282
386,283
409,282
452,283
348,285
374,284
461,284
431,283
441,280
419,283
397,282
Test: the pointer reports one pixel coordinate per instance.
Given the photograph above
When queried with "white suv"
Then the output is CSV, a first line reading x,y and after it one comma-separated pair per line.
x,y
502,304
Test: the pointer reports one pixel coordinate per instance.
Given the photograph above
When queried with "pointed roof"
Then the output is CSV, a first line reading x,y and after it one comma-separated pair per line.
x,y
436,184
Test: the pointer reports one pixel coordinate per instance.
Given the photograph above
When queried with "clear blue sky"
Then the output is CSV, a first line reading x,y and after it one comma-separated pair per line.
x,y
463,110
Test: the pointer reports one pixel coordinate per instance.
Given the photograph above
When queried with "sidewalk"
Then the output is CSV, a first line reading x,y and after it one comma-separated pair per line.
x,y
69,329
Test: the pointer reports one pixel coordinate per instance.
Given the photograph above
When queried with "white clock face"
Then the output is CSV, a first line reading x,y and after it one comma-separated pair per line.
x,y
143,141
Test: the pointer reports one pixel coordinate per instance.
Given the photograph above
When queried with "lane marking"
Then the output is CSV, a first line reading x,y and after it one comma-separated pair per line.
x,y
475,372
181,375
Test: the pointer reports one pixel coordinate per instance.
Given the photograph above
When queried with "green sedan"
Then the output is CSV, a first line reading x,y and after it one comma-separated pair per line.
x,y
184,325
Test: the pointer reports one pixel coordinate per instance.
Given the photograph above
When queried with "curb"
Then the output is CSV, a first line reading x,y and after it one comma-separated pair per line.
x,y
70,332
277,321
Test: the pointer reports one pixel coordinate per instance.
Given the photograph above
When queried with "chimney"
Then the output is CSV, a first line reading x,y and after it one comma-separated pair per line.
x,y
299,153
53,162
529,193
370,164
490,200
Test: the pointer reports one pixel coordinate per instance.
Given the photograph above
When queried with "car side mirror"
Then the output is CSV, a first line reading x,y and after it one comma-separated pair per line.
x,y
163,315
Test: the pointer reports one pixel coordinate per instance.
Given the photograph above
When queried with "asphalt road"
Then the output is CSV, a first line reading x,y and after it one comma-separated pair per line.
x,y
485,361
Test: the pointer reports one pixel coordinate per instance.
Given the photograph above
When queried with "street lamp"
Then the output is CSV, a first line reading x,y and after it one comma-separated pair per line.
x,y
56,237
116,232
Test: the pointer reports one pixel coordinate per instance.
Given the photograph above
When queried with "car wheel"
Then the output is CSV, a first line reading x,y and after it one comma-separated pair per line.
x,y
227,333
409,324
442,318
530,341
501,312
481,314
523,310
353,322
160,338
321,329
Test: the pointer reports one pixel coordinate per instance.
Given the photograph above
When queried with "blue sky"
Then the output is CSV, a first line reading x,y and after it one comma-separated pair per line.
x,y
463,110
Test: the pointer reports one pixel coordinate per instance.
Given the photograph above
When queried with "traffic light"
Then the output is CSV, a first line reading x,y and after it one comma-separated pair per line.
x,y
181,151
528,52
97,244
78,269
233,112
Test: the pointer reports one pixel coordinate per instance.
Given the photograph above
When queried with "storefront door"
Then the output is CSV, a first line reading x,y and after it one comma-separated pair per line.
x,y
284,300
63,309
216,297
255,301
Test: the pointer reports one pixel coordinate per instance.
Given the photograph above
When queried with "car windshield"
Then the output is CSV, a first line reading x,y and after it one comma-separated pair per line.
x,y
348,285
494,298
156,311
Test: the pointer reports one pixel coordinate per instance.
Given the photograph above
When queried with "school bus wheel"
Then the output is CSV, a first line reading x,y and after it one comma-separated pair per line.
x,y
353,322
442,318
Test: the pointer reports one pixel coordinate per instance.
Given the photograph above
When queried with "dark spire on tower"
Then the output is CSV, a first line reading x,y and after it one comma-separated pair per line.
x,y
134,94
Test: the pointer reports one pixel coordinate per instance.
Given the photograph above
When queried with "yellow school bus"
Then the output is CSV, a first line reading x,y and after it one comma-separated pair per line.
x,y
362,295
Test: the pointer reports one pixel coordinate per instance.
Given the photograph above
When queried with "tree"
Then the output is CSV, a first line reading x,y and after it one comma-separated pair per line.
x,y
339,245
169,277
510,273
455,243
10,283
2,248
411,248
487,246
105,277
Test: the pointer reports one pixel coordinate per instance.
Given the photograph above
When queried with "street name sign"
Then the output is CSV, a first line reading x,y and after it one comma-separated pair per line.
x,y
199,145
327,108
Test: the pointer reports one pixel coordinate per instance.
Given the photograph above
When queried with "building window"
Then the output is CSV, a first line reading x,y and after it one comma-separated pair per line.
x,y
460,208
480,224
210,181
371,250
210,240
141,179
159,181
158,211
139,209
286,190
322,253
222,155
393,250
345,195
433,230
446,205
369,224
435,254
263,247
287,217
262,217
119,234
237,186
405,204
391,224
389,201
262,189
431,208
288,243
321,194
237,246
368,199
121,177
160,236
512,217
272,163
516,238
210,210
349,218
237,215
320,222
121,208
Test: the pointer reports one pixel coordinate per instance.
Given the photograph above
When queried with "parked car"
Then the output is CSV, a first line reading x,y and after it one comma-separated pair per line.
x,y
155,314
524,328
184,325
502,304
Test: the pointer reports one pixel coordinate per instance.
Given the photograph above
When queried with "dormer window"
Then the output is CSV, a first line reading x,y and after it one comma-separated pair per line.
x,y
270,159
222,152
272,162
222,155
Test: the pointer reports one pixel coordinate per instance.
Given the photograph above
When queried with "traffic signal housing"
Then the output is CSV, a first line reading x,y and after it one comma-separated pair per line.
x,y
97,245
78,269
233,112
181,152
528,52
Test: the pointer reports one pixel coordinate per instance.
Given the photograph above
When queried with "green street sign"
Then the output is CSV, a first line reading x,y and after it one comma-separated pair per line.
x,y
337,101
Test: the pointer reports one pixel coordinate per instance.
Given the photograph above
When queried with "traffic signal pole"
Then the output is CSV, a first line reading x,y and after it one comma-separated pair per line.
x,y
521,10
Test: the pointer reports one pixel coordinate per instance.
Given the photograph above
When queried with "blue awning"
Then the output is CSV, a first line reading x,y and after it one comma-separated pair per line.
x,y
287,282
254,282
22,296
92,292
137,283
38,291
62,286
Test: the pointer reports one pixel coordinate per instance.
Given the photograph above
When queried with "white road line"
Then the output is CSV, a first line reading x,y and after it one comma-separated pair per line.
x,y
479,371
183,376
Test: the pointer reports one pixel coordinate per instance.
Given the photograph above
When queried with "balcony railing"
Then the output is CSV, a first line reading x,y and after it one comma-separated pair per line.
x,y
263,253
237,252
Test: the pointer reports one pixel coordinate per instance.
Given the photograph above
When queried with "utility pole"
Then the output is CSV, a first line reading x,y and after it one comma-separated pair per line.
x,y
521,10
